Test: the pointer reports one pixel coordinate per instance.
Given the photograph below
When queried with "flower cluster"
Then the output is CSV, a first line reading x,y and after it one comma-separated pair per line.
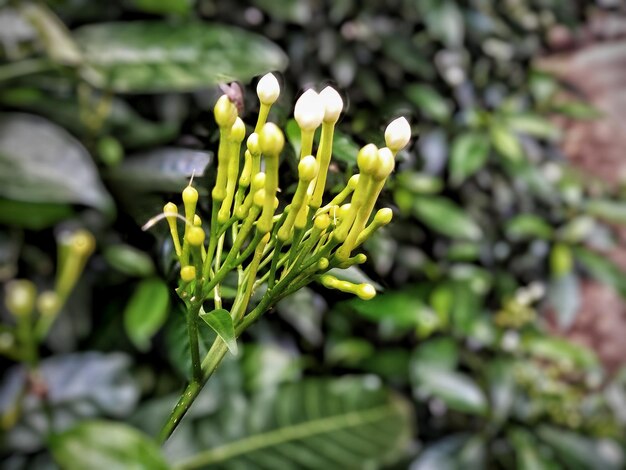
x,y
35,312
281,250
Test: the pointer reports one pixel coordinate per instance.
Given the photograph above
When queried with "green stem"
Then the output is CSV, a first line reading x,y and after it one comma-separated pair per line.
x,y
192,331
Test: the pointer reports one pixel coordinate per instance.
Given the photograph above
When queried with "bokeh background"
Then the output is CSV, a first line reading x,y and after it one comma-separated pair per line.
x,y
497,336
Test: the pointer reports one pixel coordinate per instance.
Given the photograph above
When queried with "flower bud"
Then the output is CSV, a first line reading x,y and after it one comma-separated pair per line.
x,y
385,164
259,198
322,222
190,195
383,216
20,297
353,181
365,291
258,181
333,104
238,131
323,263
188,273
253,144
195,236
83,243
309,111
360,258
271,139
307,169
367,159
268,89
197,221
344,211
170,210
225,112
48,303
398,134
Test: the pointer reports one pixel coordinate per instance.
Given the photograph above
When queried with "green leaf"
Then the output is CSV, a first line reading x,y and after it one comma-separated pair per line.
x,y
506,143
129,260
402,309
429,102
105,445
445,217
41,162
560,350
611,211
153,56
33,216
581,452
501,388
315,423
469,154
458,391
564,297
578,110
165,7
527,452
295,11
146,311
221,322
602,269
441,455
528,226
533,125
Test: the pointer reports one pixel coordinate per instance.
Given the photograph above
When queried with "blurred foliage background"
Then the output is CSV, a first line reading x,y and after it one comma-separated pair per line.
x,y
459,362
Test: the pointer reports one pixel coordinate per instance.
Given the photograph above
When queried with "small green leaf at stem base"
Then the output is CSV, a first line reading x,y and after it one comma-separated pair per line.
x,y
221,322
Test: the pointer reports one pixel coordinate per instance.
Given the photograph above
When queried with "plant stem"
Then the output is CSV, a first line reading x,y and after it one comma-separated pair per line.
x,y
192,331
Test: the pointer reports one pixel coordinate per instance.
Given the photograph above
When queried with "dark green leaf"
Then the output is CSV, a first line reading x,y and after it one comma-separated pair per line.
x,y
444,216
295,11
105,445
581,452
165,7
221,322
611,211
528,226
129,260
527,452
506,143
534,125
315,423
41,162
429,102
602,269
165,169
152,56
33,216
469,154
146,311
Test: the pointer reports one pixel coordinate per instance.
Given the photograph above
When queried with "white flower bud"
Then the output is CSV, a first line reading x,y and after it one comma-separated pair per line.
x,y
309,111
398,134
333,104
268,89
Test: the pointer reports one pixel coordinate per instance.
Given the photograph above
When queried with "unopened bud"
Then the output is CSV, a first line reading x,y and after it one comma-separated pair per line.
x,y
190,195
20,297
268,89
398,134
188,273
195,236
225,112
271,139
333,104
307,169
322,222
385,164
238,131
48,303
309,111
365,291
367,159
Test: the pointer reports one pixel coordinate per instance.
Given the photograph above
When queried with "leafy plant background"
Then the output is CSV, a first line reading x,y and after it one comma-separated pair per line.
x,y
106,114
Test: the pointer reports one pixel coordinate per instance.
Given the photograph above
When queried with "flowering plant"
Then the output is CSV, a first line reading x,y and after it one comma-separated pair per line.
x,y
278,251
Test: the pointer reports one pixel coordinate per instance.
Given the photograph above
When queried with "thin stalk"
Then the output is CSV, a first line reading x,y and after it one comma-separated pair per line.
x,y
192,331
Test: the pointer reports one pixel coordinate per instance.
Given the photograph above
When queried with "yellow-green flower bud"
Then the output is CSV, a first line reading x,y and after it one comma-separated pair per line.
x,y
195,236
367,159
225,112
309,111
171,211
385,164
322,264
253,144
321,222
20,297
333,104
190,196
365,291
259,198
383,216
353,182
83,243
268,89
398,134
197,221
271,140
307,169
188,273
238,131
48,303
